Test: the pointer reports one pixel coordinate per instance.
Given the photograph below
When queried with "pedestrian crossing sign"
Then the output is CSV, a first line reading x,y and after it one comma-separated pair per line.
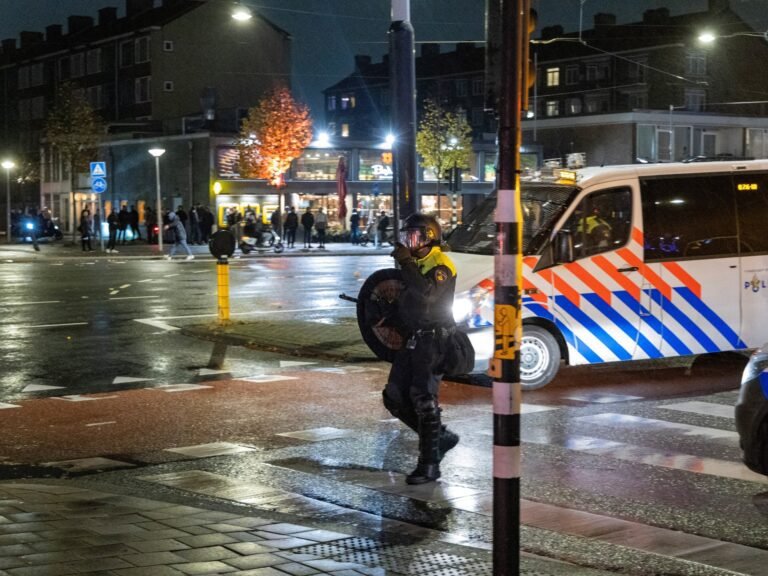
x,y
98,169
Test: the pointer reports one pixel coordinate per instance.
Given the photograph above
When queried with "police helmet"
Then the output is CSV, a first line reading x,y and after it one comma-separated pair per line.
x,y
420,230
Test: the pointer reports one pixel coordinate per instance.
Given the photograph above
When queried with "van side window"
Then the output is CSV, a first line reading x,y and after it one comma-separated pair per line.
x,y
688,217
601,222
752,206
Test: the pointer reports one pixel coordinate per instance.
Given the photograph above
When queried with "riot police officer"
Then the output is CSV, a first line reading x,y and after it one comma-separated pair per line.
x,y
426,319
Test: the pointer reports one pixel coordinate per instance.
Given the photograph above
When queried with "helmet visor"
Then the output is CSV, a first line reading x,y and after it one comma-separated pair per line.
x,y
413,238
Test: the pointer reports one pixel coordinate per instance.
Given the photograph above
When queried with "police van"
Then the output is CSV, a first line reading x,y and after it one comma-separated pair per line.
x,y
626,263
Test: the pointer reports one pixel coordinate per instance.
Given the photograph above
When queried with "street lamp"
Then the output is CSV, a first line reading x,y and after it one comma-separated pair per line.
x,y
709,37
157,152
242,13
8,165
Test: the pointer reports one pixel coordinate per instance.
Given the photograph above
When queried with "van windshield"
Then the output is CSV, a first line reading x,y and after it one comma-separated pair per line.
x,y
542,204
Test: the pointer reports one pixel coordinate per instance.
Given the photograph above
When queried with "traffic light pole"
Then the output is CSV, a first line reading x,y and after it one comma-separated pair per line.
x,y
505,366
403,87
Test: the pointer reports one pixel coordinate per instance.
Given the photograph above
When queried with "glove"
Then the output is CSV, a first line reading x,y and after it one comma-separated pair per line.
x,y
401,254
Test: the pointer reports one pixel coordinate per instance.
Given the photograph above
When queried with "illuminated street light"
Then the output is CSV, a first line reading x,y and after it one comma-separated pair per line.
x,y
8,165
389,140
157,152
242,13
709,37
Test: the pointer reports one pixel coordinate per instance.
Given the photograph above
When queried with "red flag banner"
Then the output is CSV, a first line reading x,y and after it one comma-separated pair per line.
x,y
341,188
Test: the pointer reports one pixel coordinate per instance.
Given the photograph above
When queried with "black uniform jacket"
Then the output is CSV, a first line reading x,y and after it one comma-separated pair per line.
x,y
427,300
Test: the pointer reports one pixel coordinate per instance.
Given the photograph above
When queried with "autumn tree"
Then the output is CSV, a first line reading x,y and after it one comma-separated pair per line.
x,y
74,130
444,140
275,133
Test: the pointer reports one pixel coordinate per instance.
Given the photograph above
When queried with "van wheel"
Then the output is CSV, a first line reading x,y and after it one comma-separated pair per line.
x,y
539,357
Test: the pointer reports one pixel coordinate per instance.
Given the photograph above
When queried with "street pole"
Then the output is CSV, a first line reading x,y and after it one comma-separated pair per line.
x,y
8,165
157,152
403,89
505,366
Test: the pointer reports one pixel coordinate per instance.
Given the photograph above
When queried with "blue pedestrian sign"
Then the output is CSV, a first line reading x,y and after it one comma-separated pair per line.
x,y
98,185
98,170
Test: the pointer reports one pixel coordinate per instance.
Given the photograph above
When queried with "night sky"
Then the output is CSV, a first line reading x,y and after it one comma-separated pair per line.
x,y
328,33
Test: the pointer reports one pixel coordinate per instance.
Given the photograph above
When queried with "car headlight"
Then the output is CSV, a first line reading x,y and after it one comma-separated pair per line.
x,y
30,225
474,308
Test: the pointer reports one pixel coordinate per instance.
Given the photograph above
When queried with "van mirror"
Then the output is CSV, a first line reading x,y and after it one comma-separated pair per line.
x,y
562,247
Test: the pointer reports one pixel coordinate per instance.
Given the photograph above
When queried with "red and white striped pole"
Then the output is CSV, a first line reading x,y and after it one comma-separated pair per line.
x,y
505,367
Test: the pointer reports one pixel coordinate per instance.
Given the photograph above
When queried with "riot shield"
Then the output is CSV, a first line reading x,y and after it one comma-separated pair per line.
x,y
377,312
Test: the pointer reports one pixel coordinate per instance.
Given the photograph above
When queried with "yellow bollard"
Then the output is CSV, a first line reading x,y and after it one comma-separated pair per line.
x,y
222,274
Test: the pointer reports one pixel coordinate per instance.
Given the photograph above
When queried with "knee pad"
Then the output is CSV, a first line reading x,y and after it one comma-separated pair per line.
x,y
395,408
427,407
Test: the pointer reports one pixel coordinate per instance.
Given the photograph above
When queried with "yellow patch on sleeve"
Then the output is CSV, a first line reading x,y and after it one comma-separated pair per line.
x,y
441,276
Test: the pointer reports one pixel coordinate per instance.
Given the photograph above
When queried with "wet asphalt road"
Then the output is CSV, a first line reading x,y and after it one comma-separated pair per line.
x,y
79,324
651,446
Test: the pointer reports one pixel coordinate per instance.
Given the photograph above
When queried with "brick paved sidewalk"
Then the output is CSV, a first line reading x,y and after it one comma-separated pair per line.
x,y
58,527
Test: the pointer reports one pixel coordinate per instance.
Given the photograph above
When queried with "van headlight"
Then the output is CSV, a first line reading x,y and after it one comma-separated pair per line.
x,y
474,308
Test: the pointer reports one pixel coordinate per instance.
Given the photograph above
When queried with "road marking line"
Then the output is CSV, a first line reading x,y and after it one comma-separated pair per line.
x,y
133,297
637,422
178,387
212,449
31,303
129,379
124,286
114,292
200,271
146,280
156,324
666,459
170,275
101,423
703,408
59,325
81,398
40,388
4,406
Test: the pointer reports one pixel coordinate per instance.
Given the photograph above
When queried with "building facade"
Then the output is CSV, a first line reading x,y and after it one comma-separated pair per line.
x,y
181,68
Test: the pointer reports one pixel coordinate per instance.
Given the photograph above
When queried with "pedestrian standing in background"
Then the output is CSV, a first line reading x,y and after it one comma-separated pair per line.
x,y
206,223
307,221
113,222
354,227
122,224
183,218
133,220
97,224
321,225
150,221
195,233
382,223
291,223
276,220
85,230
180,236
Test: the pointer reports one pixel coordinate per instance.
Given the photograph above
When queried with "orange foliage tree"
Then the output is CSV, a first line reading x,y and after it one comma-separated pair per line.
x,y
275,132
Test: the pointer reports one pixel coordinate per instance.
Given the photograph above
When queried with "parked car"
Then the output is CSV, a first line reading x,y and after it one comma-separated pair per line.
x,y
752,412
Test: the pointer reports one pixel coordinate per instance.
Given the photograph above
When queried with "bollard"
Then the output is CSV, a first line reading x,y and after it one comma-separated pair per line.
x,y
222,276
222,246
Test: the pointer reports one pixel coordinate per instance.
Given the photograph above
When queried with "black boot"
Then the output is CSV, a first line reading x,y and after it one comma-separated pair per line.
x,y
448,440
428,467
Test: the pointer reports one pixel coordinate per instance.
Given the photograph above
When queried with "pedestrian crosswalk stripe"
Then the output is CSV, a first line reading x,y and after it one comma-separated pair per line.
x,y
602,398
666,459
40,388
703,408
4,406
212,449
638,422
178,387
129,380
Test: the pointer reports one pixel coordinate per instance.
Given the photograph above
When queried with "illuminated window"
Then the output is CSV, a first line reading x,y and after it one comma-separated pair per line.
x,y
553,76
574,105
345,130
553,108
347,101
